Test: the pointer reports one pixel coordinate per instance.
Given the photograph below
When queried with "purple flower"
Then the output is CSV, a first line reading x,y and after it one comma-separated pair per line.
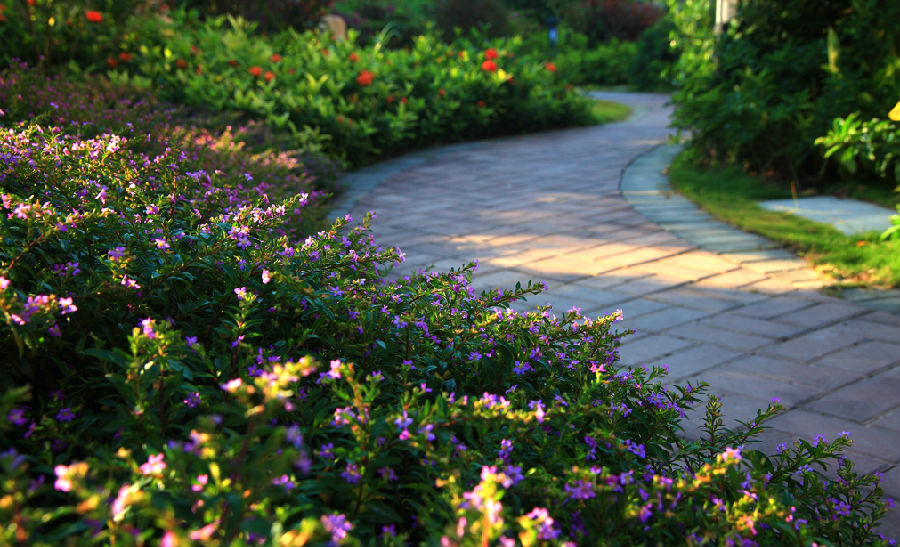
x,y
513,475
506,447
193,399
241,293
582,490
326,452
116,253
337,526
65,415
351,473
546,528
147,328
387,473
404,422
17,416
285,481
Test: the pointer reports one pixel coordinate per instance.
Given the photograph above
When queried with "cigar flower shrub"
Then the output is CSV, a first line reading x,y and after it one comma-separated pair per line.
x,y
186,364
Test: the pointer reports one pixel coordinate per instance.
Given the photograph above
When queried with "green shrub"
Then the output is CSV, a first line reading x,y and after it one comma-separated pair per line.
x,y
355,103
605,20
89,34
604,64
652,64
865,149
271,16
453,16
181,368
779,75
402,22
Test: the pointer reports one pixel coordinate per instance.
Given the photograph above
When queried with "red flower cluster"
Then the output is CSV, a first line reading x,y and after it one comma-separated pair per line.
x,y
181,63
490,54
269,75
255,71
365,77
550,66
354,57
489,65
276,57
125,56
93,16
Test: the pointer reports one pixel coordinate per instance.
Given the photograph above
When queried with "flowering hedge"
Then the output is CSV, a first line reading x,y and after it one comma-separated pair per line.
x,y
358,103
184,365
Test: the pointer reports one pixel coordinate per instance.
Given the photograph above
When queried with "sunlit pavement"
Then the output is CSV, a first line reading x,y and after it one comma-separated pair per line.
x,y
588,211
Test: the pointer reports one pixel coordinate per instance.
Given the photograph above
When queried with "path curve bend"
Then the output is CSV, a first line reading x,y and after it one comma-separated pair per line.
x,y
548,207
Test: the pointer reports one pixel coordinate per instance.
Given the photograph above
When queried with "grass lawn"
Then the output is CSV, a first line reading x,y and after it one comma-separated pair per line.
x,y
731,196
608,112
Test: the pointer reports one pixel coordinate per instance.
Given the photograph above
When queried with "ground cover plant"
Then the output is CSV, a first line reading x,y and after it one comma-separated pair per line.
x,y
187,363
729,194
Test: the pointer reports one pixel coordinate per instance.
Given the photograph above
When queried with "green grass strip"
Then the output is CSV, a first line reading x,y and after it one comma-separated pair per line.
x,y
603,112
730,195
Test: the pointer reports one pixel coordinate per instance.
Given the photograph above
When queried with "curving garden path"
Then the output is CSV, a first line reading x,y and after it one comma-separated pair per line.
x,y
573,208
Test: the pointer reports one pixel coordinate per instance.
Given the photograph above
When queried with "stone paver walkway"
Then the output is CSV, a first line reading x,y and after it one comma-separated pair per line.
x,y
739,314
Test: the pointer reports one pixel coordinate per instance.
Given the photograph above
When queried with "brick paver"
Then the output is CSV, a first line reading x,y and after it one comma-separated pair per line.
x,y
738,312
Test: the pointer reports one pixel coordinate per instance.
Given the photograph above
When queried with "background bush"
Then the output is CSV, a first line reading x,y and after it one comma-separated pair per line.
x,y
489,16
271,16
356,103
605,20
772,83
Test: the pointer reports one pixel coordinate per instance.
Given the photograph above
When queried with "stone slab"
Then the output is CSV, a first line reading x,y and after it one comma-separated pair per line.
x,y
850,216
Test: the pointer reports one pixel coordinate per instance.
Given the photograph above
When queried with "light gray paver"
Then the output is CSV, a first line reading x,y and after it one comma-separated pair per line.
x,y
847,215
589,211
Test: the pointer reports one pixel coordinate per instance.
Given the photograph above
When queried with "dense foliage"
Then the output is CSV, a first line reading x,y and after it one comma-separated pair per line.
x,y
187,365
606,20
354,102
766,88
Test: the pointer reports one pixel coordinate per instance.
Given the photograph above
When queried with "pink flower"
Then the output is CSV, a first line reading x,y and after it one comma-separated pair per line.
x,y
266,276
201,482
65,474
204,533
63,480
155,465
67,306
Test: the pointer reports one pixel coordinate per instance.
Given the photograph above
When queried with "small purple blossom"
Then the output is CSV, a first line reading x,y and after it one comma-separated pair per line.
x,y
65,415
337,526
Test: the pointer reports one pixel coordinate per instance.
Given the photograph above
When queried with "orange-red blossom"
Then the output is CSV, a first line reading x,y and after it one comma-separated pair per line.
x,y
365,77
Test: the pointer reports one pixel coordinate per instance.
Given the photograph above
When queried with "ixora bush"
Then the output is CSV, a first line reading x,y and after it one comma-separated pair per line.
x,y
357,102
182,370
